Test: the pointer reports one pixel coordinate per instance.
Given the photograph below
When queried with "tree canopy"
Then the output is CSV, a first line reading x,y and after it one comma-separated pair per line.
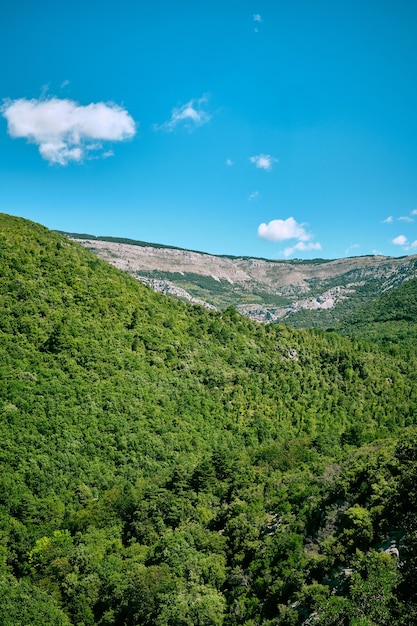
x,y
166,465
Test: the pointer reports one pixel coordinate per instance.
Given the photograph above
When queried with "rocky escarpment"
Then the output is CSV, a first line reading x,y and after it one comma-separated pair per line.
x,y
304,293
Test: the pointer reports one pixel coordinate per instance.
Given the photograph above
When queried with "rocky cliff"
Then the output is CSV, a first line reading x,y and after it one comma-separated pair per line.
x,y
304,293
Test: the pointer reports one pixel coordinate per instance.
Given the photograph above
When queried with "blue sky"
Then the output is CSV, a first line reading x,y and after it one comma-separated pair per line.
x,y
278,129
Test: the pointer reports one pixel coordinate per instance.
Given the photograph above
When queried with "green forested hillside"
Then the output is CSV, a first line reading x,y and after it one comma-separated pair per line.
x,y
166,465
391,321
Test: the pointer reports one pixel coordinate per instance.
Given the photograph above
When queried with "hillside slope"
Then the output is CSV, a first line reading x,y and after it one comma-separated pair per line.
x,y
390,321
166,465
315,293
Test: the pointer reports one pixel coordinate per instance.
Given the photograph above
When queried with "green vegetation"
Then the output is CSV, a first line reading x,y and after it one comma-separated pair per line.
x,y
220,293
390,321
363,301
165,465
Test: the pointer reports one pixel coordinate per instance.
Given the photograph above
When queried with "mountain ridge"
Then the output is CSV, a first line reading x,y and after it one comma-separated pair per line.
x,y
318,293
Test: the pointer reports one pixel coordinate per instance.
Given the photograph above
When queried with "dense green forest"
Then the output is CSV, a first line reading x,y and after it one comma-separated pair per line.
x,y
390,321
166,465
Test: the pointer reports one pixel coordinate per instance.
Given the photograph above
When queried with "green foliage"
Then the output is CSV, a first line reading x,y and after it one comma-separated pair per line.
x,y
166,465
22,604
390,320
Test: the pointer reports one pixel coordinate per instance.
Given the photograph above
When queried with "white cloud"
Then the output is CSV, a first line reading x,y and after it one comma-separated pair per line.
x,y
263,161
402,218
257,18
254,195
280,230
353,246
229,162
65,131
190,115
401,240
283,230
301,246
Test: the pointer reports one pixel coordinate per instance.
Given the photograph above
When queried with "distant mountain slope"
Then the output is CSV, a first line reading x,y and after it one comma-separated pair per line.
x,y
390,320
317,293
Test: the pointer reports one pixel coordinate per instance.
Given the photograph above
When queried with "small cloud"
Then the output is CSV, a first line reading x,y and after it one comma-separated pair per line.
x,y
301,246
254,196
402,218
65,131
401,240
414,244
191,115
280,230
93,146
263,161
257,18
59,152
65,83
353,246
44,91
229,162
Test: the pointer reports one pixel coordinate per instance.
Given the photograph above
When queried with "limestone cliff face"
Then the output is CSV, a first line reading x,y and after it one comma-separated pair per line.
x,y
304,293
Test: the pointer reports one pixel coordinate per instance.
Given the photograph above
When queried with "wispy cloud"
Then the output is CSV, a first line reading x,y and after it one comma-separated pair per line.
x,y
254,196
190,115
263,161
301,246
403,218
353,246
401,240
257,19
229,162
283,230
64,130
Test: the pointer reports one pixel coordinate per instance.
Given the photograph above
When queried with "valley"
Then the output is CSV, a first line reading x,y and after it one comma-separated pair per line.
x,y
317,293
